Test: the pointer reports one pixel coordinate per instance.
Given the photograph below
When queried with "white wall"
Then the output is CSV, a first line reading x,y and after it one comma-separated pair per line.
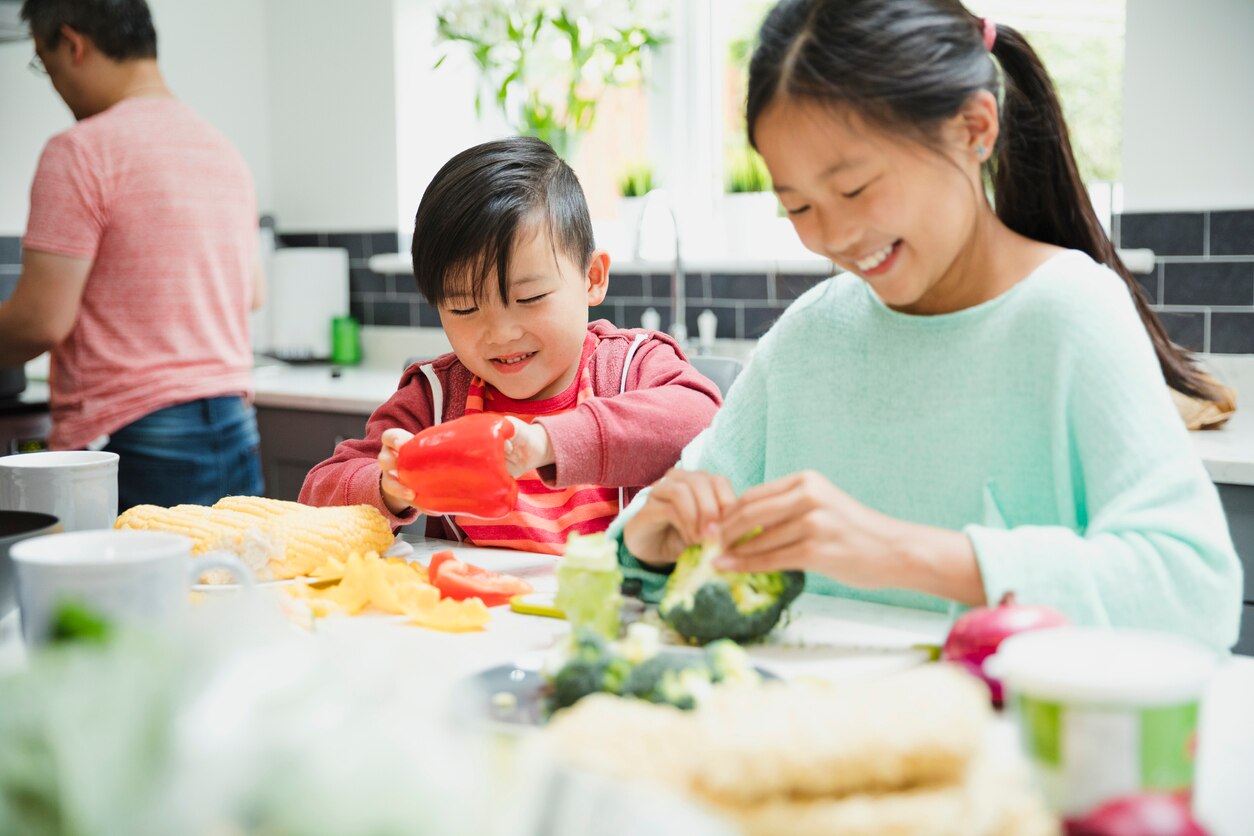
x,y
332,114
30,113
1188,114
213,56
435,108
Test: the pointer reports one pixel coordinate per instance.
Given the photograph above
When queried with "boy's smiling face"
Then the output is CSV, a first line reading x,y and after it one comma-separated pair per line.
x,y
530,348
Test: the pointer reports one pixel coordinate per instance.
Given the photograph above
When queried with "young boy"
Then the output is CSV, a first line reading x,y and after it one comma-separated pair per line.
x,y
503,249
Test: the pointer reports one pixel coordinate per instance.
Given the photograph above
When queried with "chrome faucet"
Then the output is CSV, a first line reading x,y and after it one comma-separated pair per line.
x,y
679,320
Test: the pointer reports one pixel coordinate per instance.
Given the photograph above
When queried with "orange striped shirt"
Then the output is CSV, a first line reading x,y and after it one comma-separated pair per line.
x,y
543,517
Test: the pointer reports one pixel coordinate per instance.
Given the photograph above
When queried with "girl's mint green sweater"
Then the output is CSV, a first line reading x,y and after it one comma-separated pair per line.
x,y
1038,423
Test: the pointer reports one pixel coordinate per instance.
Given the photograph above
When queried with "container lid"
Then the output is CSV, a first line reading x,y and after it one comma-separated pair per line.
x,y
1107,666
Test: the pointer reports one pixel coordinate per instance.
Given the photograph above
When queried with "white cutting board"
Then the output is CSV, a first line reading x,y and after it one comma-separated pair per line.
x,y
308,287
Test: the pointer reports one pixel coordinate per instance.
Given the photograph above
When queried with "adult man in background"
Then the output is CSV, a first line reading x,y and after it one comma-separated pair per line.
x,y
140,266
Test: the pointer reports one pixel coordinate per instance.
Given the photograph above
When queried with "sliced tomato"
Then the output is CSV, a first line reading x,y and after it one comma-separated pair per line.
x,y
459,580
433,566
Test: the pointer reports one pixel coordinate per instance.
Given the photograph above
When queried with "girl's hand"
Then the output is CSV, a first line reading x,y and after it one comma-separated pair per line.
x,y
808,523
684,507
396,496
528,448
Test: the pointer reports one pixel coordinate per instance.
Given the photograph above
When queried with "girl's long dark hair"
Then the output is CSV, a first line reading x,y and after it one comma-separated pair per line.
x,y
907,65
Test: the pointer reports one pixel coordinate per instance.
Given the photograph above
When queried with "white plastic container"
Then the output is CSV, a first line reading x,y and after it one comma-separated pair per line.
x,y
308,287
1104,713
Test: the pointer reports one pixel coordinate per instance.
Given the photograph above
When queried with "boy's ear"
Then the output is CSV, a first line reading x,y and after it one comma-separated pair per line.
x,y
598,277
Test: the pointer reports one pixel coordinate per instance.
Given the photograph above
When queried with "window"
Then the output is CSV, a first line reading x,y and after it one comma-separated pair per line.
x,y
1079,41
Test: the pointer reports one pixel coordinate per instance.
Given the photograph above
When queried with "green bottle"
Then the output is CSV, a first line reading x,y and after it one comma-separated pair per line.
x,y
588,582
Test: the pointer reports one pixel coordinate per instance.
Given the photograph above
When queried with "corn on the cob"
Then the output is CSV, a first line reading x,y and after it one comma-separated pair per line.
x,y
314,534
276,539
260,506
254,541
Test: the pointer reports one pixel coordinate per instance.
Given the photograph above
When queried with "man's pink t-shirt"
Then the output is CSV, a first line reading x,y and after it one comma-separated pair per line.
x,y
163,205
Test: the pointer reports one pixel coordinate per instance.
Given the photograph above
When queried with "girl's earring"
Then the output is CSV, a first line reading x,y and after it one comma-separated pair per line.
x,y
980,151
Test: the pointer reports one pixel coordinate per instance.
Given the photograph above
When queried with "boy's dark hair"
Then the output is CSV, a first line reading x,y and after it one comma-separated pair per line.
x,y
907,65
121,29
479,202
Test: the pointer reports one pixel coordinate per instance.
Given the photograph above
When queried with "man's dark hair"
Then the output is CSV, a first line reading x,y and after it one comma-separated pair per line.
x,y
477,205
121,29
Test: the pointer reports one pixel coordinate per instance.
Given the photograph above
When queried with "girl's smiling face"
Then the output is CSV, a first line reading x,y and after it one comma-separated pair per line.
x,y
899,214
529,349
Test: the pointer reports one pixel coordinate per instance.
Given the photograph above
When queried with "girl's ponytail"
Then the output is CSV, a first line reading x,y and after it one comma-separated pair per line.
x,y
1038,192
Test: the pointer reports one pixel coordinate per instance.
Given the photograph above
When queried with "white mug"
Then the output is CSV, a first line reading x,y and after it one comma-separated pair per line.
x,y
78,487
126,577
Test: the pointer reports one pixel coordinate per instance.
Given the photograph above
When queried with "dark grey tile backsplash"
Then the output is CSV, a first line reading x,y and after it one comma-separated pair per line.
x,y
10,264
1232,233
10,250
746,304
1208,283
1203,283
1166,233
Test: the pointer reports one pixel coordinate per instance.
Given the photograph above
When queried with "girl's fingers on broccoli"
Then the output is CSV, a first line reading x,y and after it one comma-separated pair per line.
x,y
679,507
726,494
776,542
709,505
777,503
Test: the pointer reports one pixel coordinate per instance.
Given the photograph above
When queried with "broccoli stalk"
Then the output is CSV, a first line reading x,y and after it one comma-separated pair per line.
x,y
703,604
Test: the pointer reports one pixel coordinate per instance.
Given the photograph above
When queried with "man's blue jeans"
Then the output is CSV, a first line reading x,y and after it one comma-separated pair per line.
x,y
195,452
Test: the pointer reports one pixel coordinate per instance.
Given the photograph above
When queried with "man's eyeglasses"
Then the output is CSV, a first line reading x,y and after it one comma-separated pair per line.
x,y
36,65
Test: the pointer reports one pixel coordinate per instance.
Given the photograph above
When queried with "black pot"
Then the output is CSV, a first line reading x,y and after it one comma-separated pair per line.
x,y
12,381
15,526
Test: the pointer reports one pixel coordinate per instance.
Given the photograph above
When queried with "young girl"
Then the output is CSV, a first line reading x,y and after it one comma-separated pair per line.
x,y
503,249
977,405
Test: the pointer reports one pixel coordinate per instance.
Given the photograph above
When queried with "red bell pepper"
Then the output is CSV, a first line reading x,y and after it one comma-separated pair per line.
x,y
458,467
459,580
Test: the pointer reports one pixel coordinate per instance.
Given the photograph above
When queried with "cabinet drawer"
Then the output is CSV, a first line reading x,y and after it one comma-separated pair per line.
x,y
297,434
294,440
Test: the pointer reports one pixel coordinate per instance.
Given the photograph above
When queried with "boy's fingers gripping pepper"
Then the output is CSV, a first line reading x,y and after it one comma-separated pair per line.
x,y
459,467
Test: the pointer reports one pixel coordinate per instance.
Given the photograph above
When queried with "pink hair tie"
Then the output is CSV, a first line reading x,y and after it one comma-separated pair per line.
x,y
990,32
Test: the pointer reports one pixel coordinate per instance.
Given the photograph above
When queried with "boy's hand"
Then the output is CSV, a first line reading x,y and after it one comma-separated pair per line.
x,y
396,496
684,507
528,449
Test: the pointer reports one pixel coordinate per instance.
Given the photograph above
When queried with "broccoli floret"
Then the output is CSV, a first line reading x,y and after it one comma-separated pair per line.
x,y
645,680
576,680
684,688
590,666
729,663
703,604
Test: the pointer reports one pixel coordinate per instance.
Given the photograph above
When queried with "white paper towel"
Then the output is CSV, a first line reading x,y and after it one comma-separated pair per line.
x,y
308,288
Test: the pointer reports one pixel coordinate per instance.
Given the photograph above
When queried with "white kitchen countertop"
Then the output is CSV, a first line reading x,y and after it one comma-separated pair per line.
x,y
356,391
838,639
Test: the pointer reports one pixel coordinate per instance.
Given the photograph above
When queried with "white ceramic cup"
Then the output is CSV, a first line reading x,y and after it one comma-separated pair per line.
x,y
78,487
127,577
